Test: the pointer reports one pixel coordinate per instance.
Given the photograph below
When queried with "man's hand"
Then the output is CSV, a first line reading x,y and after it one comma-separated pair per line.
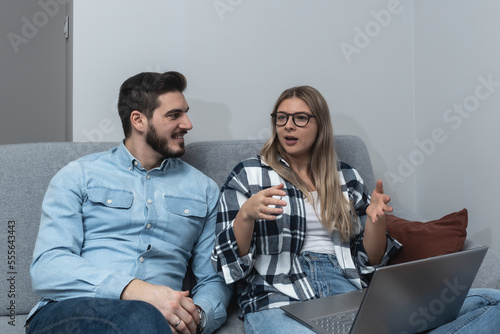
x,y
176,306
378,205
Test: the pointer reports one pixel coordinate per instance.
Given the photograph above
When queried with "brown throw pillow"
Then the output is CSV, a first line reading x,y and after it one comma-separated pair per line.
x,y
426,239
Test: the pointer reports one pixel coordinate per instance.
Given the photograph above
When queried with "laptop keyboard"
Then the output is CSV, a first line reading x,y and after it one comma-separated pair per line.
x,y
337,323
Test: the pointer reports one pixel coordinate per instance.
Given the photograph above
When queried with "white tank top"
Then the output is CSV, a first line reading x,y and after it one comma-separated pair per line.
x,y
318,239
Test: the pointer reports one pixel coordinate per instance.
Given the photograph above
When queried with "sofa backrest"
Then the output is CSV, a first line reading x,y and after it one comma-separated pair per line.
x,y
217,158
26,170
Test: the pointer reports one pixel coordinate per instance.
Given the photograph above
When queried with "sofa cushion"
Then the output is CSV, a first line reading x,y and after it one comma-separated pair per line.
x,y
426,239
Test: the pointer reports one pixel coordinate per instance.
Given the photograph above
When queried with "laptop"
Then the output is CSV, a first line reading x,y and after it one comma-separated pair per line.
x,y
404,298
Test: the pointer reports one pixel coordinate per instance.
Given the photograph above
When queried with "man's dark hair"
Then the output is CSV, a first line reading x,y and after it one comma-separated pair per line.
x,y
141,93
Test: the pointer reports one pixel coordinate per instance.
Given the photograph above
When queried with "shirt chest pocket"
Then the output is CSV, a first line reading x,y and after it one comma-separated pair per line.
x,y
111,198
107,212
185,207
186,219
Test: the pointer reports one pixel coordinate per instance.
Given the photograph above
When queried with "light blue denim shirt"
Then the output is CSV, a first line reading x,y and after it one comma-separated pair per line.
x,y
106,220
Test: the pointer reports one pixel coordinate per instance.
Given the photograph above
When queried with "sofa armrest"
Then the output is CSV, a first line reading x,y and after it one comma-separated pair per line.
x,y
488,275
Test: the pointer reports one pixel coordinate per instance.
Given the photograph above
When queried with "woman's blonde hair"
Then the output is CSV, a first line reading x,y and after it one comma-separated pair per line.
x,y
336,211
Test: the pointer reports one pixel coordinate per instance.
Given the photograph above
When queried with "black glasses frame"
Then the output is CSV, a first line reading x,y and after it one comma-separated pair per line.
x,y
274,115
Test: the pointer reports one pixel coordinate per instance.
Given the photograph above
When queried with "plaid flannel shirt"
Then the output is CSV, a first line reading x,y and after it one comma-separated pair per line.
x,y
270,275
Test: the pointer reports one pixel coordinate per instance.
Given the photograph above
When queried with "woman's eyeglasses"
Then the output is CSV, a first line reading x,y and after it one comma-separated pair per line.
x,y
300,119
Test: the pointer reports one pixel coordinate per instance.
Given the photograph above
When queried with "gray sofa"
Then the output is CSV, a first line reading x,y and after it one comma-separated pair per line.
x,y
26,170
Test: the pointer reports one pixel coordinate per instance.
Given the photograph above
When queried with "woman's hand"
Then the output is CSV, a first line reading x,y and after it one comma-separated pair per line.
x,y
262,205
374,239
378,207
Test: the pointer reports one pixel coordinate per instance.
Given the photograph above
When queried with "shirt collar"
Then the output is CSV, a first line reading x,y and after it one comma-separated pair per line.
x,y
127,160
280,159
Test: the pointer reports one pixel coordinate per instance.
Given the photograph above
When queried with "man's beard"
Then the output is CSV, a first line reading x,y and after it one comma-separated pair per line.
x,y
160,144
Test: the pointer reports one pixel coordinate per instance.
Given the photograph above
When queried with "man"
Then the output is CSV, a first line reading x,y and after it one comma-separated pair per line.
x,y
118,229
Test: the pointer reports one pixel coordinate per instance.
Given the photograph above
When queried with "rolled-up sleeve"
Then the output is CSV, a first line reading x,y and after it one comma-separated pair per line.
x,y
225,255
361,258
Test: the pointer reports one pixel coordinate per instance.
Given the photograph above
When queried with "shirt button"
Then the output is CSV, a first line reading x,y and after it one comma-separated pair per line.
x,y
136,163
148,226
148,176
186,211
141,259
150,201
110,201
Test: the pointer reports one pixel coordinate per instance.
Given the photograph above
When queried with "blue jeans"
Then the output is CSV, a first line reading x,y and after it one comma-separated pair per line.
x,y
325,274
326,278
98,315
479,314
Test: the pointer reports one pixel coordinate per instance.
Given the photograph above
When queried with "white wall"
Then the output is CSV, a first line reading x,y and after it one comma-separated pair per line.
x,y
239,56
456,51
32,72
397,88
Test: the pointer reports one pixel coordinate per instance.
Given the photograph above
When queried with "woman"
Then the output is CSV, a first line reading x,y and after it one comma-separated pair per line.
x,y
294,223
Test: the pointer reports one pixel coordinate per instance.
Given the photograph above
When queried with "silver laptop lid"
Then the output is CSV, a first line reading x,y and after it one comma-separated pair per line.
x,y
420,295
404,298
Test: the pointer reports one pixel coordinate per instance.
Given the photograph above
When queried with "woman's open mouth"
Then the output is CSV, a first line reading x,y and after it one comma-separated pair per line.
x,y
291,140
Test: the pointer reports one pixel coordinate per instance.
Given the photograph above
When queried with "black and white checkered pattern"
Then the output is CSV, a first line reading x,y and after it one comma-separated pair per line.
x,y
270,275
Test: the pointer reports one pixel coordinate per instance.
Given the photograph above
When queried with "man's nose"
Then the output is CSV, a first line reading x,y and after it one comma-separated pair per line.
x,y
186,123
